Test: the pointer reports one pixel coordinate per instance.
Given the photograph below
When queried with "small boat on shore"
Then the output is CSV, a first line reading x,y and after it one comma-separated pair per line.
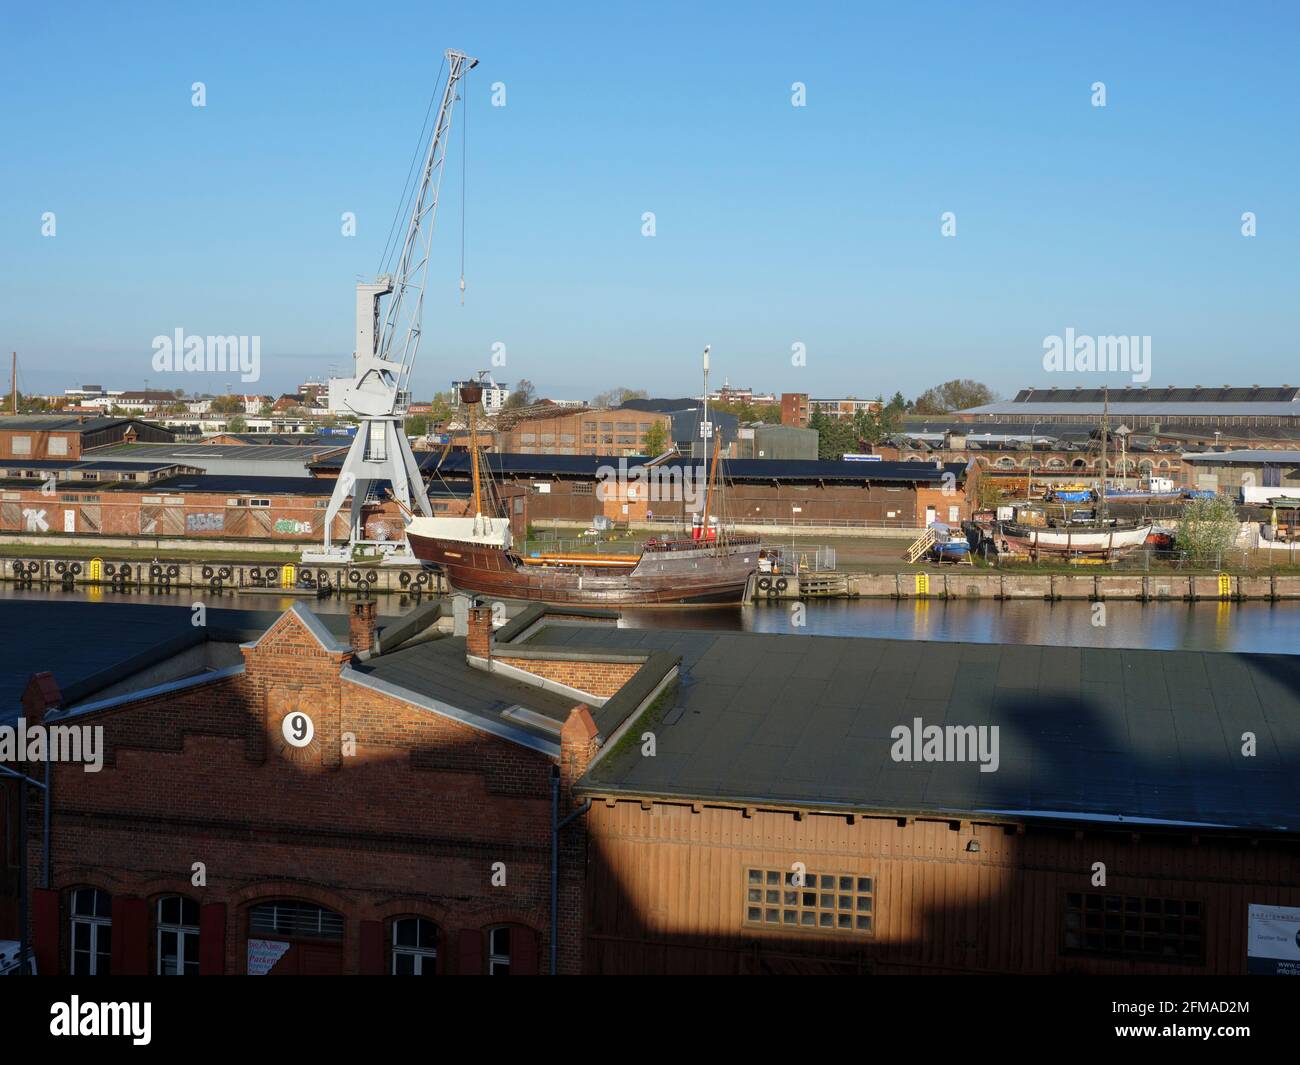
x,y
1016,539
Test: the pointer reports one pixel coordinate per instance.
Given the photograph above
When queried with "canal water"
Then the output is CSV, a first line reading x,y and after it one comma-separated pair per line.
x,y
1253,626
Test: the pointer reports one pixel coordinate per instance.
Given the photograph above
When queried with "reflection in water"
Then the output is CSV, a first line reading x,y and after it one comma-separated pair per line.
x,y
1216,626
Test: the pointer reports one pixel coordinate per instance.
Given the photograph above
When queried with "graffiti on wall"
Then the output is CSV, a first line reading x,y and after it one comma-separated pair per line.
x,y
210,521
288,525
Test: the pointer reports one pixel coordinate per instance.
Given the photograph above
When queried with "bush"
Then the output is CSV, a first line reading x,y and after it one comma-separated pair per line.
x,y
1207,528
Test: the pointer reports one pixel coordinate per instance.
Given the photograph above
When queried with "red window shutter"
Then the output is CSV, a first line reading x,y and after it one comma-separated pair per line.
x,y
470,954
372,948
523,944
130,937
45,931
212,939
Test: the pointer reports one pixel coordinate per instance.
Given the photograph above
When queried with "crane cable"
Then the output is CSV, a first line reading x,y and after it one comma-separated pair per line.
x,y
464,171
407,188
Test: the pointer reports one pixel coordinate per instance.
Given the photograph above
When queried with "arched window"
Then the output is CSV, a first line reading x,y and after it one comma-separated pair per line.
x,y
91,917
499,951
415,947
1056,464
177,933
1006,463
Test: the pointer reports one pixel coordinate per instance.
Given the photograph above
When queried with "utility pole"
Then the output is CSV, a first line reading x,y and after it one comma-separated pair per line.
x,y
13,381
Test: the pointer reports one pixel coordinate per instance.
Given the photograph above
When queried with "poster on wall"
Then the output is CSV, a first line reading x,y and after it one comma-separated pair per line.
x,y
1273,940
263,954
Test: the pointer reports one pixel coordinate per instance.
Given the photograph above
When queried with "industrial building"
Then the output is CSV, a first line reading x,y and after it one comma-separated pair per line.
x,y
55,436
256,460
1227,409
905,495
553,430
1254,474
394,800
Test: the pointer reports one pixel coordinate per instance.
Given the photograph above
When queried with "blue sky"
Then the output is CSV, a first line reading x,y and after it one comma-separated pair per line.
x,y
775,225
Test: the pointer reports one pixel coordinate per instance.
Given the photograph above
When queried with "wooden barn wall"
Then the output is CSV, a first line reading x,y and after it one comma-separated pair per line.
x,y
573,500
666,892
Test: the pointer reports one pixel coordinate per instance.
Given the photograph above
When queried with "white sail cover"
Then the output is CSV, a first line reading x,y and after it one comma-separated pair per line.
x,y
491,532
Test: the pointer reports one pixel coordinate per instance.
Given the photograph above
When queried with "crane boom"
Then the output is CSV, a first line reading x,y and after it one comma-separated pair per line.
x,y
385,356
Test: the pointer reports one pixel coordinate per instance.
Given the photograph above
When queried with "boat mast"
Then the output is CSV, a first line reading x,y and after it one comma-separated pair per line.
x,y
1105,432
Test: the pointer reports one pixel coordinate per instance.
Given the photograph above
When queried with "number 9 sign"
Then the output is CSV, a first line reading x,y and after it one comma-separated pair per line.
x,y
298,729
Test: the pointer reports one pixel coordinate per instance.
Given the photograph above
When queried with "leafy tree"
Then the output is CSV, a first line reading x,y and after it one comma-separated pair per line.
x,y
227,405
1207,528
522,396
416,425
237,424
616,397
834,437
957,394
656,439
873,426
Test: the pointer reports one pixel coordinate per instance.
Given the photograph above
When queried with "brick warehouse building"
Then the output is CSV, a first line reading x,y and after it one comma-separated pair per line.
x,y
412,832
771,754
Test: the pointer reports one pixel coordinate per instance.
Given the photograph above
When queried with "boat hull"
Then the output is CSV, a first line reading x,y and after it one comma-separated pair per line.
x,y
1106,542
694,574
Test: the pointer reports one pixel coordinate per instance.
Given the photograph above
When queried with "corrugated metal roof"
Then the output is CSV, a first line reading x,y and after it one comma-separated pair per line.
x,y
1120,407
1279,456
190,454
1083,732
1172,394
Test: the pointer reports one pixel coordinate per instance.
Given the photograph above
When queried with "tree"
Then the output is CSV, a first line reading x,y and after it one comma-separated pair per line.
x,y
656,439
522,396
834,437
1207,528
237,424
616,397
416,425
957,394
227,405
873,426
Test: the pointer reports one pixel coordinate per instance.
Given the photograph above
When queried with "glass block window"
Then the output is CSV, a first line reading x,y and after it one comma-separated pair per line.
x,y
1133,926
823,902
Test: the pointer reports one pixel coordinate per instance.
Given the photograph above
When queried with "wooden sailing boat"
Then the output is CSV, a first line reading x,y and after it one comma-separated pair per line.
x,y
1100,538
710,565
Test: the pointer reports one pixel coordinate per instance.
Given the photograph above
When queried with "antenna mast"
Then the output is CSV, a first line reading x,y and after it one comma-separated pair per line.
x,y
385,356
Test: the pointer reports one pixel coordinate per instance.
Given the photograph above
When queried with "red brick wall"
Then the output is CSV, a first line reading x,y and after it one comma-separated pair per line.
x,y
595,678
412,822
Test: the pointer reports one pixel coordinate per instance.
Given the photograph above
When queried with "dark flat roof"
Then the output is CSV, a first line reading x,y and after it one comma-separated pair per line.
x,y
587,466
100,465
54,423
1084,733
78,640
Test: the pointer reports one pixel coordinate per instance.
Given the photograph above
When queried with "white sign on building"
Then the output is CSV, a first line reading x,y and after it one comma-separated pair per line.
x,y
1273,940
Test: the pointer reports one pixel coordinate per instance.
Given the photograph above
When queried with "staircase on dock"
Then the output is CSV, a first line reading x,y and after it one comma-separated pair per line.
x,y
921,545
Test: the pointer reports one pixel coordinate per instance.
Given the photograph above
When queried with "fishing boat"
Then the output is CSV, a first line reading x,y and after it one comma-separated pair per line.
x,y
706,564
947,546
1069,493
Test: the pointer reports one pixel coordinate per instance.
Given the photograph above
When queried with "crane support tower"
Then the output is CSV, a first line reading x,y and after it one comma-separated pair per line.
x,y
387,342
